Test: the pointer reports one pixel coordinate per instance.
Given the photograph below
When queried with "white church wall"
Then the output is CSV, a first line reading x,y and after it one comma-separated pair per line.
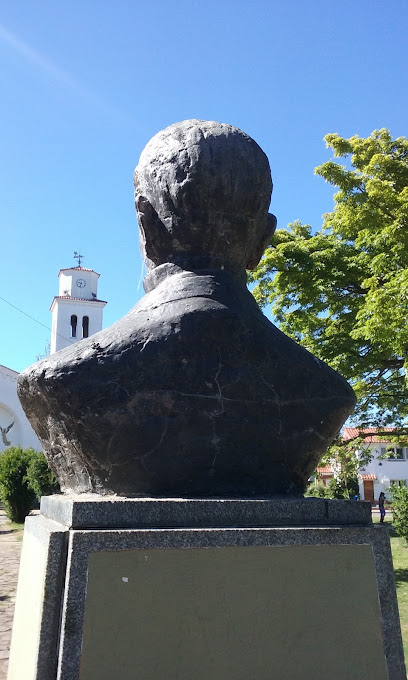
x,y
62,312
15,430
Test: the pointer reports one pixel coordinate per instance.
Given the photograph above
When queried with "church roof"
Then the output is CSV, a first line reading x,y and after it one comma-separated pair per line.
x,y
75,299
71,297
79,269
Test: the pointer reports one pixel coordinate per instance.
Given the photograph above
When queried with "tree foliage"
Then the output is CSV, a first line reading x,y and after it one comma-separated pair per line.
x,y
40,477
15,493
342,292
316,490
24,474
399,495
346,458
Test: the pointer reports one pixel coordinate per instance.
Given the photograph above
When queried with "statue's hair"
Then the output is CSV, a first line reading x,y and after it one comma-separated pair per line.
x,y
209,185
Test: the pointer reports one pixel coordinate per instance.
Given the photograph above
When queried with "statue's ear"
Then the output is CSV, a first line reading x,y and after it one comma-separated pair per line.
x,y
259,248
155,240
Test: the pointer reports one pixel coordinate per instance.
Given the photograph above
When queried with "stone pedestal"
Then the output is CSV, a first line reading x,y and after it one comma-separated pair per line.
x,y
234,589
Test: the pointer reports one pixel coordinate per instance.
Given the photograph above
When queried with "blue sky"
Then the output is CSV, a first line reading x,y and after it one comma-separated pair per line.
x,y
85,85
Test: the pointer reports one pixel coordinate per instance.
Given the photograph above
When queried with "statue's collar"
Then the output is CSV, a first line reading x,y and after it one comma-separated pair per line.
x,y
195,267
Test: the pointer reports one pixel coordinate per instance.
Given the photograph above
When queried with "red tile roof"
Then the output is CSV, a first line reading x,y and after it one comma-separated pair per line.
x,y
368,478
352,432
75,299
327,470
81,269
70,297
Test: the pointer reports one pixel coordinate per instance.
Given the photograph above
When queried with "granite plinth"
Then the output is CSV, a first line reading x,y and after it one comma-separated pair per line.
x,y
174,592
92,511
37,613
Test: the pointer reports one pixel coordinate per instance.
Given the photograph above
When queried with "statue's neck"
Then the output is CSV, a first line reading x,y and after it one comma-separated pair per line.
x,y
195,268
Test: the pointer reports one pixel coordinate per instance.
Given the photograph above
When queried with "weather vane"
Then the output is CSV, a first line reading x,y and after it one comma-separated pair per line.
x,y
78,256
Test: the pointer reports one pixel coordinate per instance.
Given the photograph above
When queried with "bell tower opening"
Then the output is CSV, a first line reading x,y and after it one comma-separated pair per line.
x,y
85,326
74,321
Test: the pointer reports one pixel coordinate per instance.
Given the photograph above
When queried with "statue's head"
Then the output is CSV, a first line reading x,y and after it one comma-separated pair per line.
x,y
202,192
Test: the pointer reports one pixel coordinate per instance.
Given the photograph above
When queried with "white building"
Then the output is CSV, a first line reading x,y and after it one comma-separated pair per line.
x,y
324,474
76,314
15,430
389,463
76,310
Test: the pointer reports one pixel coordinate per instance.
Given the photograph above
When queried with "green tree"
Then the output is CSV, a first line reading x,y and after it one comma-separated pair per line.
x,y
15,493
399,495
24,474
316,490
342,292
40,477
346,458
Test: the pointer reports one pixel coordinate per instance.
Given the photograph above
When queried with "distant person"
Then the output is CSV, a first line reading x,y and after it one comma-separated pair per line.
x,y
356,497
381,505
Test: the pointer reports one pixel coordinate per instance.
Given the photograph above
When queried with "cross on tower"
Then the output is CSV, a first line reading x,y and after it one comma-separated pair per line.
x,y
78,256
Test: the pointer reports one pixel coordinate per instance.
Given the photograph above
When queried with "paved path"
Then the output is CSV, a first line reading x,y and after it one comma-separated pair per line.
x,y
10,549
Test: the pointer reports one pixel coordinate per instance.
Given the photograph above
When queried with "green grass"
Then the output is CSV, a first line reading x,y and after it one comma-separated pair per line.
x,y
12,528
399,549
400,558
15,526
17,530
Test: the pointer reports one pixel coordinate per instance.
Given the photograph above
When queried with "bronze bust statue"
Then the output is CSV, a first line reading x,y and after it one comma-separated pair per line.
x,y
194,392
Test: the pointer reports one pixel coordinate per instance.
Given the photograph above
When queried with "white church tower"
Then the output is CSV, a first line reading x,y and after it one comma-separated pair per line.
x,y
76,310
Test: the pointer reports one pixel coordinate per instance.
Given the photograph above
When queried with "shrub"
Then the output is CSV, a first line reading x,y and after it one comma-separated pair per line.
x,y
15,493
399,495
24,474
342,488
316,490
40,477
